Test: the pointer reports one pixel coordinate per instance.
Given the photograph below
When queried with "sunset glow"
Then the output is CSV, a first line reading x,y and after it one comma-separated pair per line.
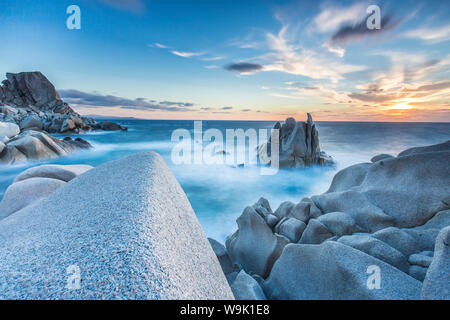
x,y
265,61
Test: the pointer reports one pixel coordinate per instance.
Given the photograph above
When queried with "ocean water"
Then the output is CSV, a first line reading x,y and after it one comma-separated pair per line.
x,y
219,193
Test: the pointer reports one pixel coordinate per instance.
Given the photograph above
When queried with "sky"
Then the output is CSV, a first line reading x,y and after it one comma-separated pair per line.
x,y
230,60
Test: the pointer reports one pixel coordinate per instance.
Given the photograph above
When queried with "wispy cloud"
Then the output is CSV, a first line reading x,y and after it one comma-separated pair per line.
x,y
161,46
91,100
331,17
185,54
430,35
213,58
290,59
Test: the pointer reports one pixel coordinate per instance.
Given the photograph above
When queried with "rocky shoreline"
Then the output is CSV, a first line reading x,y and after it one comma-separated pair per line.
x,y
381,231
31,109
392,213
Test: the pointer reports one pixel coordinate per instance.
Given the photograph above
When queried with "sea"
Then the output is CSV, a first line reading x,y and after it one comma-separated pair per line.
x,y
220,192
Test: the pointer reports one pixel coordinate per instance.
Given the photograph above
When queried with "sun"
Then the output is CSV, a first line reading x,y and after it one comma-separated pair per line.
x,y
401,106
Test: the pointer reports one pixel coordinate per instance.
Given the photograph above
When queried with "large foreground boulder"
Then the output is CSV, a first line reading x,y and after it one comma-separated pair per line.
x,y
123,230
335,271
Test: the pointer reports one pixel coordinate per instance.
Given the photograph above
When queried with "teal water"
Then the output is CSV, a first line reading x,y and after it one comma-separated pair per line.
x,y
219,193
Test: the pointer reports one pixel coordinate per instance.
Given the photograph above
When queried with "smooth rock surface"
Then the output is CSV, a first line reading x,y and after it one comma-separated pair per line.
x,y
437,281
381,157
420,259
245,287
349,177
8,129
129,228
253,245
417,272
378,249
391,194
23,193
31,122
36,145
315,233
54,171
292,229
334,271
222,256
339,223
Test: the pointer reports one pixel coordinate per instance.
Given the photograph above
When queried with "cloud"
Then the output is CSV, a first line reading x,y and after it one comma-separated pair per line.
x,y
134,6
375,97
355,32
84,99
340,52
227,108
434,86
159,45
244,67
430,35
290,59
331,18
186,54
213,58
246,110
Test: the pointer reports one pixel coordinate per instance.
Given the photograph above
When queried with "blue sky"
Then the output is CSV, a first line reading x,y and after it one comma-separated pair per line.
x,y
250,59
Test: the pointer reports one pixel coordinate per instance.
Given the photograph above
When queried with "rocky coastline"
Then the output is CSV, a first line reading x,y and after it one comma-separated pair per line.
x,y
381,231
30,110
391,215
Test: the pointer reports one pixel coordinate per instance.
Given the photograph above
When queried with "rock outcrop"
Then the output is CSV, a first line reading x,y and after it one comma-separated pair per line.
x,y
37,145
298,145
35,184
384,217
31,101
123,230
